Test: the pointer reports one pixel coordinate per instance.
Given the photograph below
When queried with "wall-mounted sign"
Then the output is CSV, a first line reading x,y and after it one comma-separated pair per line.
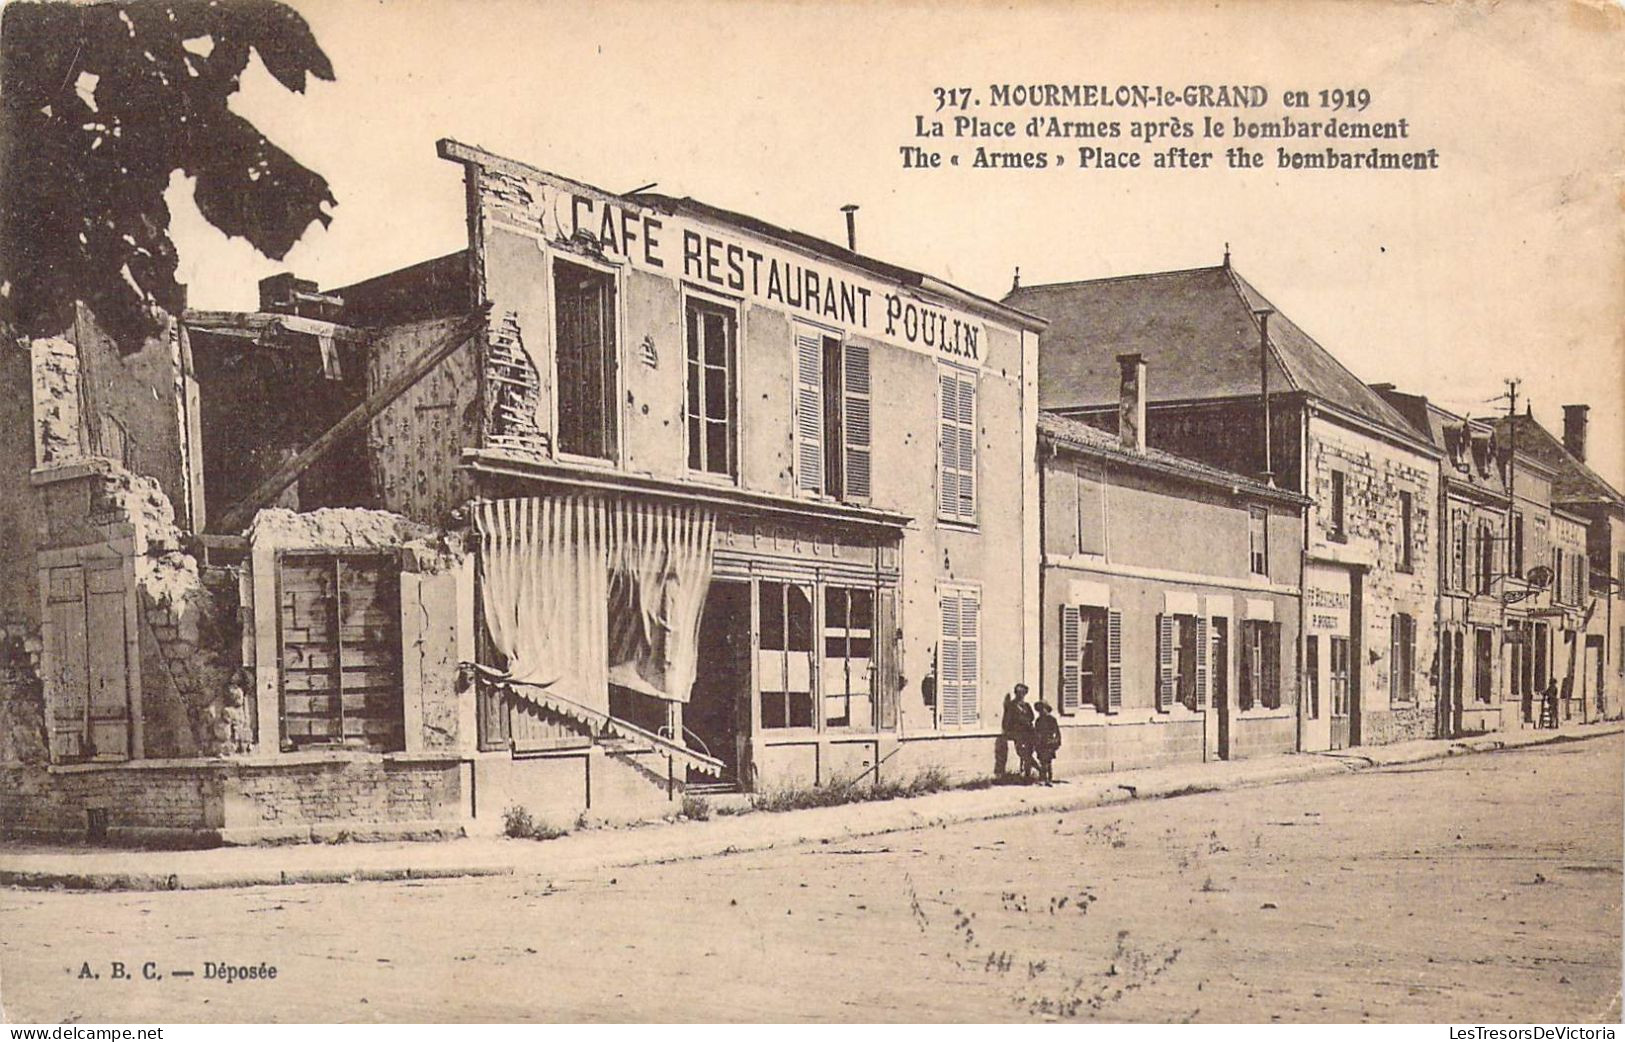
x,y
679,247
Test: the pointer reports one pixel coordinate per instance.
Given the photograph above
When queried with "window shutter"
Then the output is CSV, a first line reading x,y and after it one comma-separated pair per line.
x,y
948,672
885,660
967,448
1114,661
855,414
948,445
1071,685
970,658
809,410
1201,662
1165,661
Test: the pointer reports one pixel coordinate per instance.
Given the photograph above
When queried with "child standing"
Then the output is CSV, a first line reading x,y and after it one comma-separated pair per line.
x,y
1046,740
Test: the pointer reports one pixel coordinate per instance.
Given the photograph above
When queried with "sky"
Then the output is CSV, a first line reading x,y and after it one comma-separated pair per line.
x,y
1507,261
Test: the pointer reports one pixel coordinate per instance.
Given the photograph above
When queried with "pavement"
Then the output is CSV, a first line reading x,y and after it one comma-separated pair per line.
x,y
594,850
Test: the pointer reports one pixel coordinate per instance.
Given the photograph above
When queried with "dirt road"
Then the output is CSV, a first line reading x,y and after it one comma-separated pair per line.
x,y
1483,888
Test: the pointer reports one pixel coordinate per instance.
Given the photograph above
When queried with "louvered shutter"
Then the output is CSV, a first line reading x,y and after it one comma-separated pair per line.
x,y
885,659
1201,663
948,445
967,448
1071,696
855,417
948,672
1114,661
809,410
1165,661
970,656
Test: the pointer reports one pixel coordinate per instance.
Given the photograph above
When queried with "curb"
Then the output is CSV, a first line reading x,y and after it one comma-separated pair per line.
x,y
1301,767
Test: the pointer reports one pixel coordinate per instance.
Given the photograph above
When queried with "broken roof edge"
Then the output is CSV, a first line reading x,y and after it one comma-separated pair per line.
x,y
457,151
253,323
1091,441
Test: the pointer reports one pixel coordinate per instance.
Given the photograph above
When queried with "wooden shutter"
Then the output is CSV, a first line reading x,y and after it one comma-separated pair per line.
x,y
1071,686
1201,663
948,445
107,642
809,409
1165,661
967,448
948,672
67,686
855,419
970,656
885,659
1114,661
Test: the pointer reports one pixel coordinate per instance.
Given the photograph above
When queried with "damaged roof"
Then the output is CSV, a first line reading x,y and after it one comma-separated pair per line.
x,y
690,207
1199,336
1081,436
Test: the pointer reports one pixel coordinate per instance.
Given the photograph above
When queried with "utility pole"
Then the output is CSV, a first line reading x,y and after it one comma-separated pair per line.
x,y
1511,396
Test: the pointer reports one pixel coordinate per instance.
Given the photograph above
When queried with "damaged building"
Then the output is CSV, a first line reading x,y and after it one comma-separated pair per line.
x,y
629,498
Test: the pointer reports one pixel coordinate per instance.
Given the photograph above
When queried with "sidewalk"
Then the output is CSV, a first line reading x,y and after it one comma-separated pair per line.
x,y
101,868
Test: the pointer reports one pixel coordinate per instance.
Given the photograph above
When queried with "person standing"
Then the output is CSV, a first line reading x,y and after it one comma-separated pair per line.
x,y
1046,741
1017,730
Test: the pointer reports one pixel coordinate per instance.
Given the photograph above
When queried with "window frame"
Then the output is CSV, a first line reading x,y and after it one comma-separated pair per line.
x,y
615,408
959,591
1258,540
1407,532
1338,507
1401,659
694,300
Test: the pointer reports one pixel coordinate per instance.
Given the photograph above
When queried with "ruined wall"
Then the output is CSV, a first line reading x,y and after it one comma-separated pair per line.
x,y
22,707
416,444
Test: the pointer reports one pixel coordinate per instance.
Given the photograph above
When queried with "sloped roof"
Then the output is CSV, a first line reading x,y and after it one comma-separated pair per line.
x,y
1082,436
1572,481
1199,337
1469,448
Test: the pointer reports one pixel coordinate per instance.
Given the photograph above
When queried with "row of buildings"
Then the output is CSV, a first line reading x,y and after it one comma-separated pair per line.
x,y
635,497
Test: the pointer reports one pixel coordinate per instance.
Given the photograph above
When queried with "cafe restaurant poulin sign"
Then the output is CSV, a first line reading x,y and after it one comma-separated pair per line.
x,y
677,247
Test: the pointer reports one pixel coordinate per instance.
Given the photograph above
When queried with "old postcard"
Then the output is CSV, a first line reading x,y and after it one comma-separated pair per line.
x,y
519,511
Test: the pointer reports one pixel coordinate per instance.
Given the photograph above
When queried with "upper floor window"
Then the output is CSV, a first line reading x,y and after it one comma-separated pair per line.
x,y
1484,566
956,453
1258,540
1458,552
1339,527
713,340
1515,546
1406,560
584,359
832,426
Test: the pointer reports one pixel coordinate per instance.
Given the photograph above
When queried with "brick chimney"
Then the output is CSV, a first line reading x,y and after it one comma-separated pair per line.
x,y
1131,403
1574,430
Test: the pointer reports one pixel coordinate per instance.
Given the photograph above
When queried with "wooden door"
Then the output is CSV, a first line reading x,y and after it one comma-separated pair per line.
x,y
87,653
1341,692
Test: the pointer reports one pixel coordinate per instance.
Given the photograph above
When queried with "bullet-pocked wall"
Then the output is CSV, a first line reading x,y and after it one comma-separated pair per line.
x,y
936,364
1375,511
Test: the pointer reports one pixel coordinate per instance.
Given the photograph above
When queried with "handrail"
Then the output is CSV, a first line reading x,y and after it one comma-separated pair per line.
x,y
570,707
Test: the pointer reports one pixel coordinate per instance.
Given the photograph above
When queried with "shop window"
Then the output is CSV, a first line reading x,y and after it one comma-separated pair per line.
x,y
956,438
340,651
1402,658
712,334
784,663
849,652
1181,662
1086,660
1339,528
1260,665
832,416
959,656
1406,560
1258,548
585,360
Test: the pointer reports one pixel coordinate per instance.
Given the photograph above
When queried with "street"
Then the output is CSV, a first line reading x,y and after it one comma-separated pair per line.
x,y
1481,888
